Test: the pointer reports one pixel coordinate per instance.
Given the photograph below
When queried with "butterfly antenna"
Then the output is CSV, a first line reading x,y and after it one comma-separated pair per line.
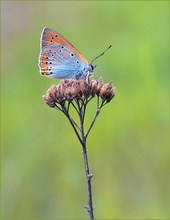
x,y
101,54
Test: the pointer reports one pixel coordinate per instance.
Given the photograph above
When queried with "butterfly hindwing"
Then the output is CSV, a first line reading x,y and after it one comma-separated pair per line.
x,y
59,62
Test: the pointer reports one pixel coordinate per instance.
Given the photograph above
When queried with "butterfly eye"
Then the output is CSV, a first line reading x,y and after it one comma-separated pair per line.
x,y
77,61
91,67
72,54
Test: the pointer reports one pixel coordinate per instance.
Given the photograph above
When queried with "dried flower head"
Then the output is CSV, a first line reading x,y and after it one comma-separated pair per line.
x,y
69,90
107,92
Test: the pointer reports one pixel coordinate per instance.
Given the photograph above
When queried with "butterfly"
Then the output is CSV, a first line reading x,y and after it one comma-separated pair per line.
x,y
60,59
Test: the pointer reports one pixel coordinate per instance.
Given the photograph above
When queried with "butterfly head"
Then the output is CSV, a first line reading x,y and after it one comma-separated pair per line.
x,y
91,67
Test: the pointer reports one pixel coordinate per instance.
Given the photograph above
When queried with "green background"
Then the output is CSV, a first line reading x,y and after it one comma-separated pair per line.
x,y
42,173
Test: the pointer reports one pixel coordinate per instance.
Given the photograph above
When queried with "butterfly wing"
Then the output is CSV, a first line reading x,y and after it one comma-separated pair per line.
x,y
49,36
58,58
56,62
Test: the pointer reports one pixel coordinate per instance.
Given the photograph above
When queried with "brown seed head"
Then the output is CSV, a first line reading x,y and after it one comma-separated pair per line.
x,y
50,98
52,93
85,88
93,84
107,92
99,85
68,90
49,101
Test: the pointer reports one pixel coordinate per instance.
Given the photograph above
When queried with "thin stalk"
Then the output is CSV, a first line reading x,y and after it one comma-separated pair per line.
x,y
89,205
76,125
72,124
75,107
97,113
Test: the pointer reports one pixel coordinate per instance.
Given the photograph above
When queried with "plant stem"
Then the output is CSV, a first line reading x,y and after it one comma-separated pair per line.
x,y
80,109
74,127
89,206
97,112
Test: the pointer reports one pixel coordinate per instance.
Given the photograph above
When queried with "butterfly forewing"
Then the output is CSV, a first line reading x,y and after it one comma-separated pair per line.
x,y
58,58
49,36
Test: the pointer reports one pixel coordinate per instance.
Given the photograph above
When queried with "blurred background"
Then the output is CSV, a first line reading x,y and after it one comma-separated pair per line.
x,y
42,171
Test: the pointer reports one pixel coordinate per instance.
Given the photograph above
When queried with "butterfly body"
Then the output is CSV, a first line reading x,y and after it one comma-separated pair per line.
x,y
59,59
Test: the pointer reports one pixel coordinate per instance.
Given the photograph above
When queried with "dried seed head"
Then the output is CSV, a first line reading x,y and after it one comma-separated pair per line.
x,y
74,90
69,90
107,92
50,98
85,88
99,85
93,87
